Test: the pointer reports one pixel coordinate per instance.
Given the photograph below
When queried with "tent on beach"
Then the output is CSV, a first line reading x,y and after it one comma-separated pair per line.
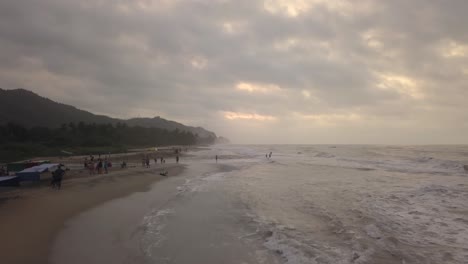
x,y
19,166
34,173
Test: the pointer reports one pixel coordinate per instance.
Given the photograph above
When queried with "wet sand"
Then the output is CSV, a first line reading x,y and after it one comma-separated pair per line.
x,y
31,217
180,220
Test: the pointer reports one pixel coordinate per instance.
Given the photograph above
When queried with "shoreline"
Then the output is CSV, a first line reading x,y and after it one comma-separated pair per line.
x,y
32,217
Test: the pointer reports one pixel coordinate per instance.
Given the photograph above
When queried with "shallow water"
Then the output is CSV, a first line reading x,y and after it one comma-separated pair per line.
x,y
307,204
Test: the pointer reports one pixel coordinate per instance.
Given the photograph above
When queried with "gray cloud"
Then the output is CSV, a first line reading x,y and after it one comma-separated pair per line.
x,y
316,71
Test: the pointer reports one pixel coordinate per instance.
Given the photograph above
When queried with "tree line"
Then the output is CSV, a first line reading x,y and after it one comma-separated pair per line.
x,y
18,141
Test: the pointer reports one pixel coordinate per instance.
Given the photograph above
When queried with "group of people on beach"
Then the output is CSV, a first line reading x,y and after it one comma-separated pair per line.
x,y
100,165
145,161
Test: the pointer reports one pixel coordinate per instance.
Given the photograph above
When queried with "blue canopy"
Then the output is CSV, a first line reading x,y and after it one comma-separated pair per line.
x,y
9,181
34,173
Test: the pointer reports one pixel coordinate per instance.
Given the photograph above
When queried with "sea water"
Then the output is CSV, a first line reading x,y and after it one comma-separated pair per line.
x,y
353,203
304,204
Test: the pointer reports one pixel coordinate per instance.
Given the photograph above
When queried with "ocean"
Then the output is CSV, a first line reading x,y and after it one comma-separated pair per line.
x,y
304,204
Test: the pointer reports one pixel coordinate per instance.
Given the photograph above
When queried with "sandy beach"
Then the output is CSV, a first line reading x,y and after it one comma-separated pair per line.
x,y
30,217
306,204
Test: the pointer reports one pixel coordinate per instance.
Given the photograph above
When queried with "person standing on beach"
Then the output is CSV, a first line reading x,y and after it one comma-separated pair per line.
x,y
106,165
216,158
177,159
162,159
57,177
99,166
53,183
91,167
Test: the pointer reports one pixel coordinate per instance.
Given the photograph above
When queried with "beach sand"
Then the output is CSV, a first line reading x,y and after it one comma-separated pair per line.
x,y
31,217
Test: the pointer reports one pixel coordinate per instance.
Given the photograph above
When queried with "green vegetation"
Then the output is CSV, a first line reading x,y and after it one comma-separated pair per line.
x,y
18,142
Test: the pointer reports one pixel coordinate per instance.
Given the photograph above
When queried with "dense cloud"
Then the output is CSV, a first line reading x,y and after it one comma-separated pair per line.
x,y
271,71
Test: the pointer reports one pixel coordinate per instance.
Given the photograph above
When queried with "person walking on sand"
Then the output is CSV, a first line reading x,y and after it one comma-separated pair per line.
x,y
216,158
161,159
269,156
177,159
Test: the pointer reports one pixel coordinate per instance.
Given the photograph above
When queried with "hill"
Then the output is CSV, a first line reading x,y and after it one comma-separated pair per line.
x,y
28,109
169,125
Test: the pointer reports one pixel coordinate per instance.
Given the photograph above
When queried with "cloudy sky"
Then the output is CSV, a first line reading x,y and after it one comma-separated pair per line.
x,y
255,71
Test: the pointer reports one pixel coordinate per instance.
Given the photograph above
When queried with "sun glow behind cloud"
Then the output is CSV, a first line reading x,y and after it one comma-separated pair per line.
x,y
372,39
233,27
328,119
403,85
248,116
198,62
291,8
453,49
258,88
296,8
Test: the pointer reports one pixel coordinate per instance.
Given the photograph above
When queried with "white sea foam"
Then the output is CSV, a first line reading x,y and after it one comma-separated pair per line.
x,y
153,225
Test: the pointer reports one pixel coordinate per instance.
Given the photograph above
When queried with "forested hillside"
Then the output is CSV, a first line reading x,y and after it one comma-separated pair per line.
x,y
18,142
28,109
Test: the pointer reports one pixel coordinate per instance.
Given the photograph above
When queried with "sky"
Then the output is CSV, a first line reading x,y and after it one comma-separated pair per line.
x,y
254,71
